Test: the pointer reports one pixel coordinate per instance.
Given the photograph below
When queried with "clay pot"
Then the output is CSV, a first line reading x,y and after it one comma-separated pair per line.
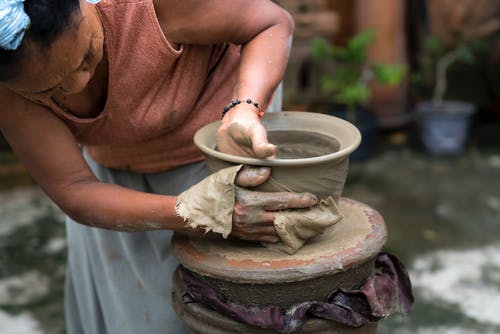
x,y
313,152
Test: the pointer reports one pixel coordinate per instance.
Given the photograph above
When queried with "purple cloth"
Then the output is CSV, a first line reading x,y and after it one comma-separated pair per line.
x,y
385,293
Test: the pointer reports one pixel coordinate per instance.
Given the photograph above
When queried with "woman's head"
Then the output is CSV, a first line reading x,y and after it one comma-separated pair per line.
x,y
60,48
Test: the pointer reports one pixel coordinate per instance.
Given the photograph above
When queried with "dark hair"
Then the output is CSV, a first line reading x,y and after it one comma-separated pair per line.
x,y
49,19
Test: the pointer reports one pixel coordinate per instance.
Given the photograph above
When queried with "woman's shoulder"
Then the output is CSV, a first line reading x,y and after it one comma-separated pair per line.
x,y
9,99
13,106
129,2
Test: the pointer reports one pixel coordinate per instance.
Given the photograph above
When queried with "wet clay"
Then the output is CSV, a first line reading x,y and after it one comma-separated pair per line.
x,y
302,144
351,241
350,231
323,180
209,205
313,152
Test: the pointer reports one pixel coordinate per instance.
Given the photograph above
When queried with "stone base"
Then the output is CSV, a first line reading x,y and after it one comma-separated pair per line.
x,y
203,320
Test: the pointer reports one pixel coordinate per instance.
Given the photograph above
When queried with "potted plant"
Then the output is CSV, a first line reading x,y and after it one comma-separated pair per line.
x,y
346,82
443,123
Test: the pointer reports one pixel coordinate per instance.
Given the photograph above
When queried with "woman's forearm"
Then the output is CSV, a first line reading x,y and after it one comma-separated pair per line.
x,y
116,208
264,60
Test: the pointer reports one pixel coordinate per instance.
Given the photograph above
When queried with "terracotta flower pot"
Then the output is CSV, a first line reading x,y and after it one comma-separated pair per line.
x,y
313,152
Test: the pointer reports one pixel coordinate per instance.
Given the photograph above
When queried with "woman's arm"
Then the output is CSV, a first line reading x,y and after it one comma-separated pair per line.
x,y
265,32
50,153
260,26
53,158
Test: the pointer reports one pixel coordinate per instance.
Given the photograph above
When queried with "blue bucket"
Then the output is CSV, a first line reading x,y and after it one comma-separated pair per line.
x,y
444,127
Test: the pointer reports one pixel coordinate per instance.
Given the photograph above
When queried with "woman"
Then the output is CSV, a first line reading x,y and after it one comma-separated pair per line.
x,y
101,101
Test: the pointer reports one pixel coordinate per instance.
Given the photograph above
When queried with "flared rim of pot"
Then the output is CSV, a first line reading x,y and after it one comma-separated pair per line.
x,y
344,132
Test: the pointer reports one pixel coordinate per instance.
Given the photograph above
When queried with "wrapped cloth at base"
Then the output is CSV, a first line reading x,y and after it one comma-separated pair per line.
x,y
387,292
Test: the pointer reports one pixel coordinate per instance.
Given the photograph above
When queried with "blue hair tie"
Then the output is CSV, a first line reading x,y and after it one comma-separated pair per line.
x,y
13,23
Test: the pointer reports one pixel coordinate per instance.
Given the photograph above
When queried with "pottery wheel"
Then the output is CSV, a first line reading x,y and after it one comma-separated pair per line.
x,y
353,241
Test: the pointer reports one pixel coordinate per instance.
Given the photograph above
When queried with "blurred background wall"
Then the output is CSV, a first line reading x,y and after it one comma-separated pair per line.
x,y
401,30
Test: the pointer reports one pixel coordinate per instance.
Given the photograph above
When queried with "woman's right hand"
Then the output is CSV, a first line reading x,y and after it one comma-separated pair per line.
x,y
242,133
253,215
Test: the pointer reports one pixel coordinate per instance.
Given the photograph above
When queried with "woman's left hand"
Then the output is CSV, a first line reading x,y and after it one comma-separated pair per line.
x,y
241,133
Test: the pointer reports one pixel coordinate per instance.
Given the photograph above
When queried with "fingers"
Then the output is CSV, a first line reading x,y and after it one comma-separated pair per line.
x,y
252,176
259,238
255,233
289,200
261,230
229,146
261,147
240,134
243,217
270,239
245,140
254,225
276,201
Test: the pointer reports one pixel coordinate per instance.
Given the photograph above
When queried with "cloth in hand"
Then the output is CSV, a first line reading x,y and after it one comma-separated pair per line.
x,y
297,226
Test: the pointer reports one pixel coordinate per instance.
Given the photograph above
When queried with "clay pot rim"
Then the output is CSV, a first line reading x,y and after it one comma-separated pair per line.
x,y
209,130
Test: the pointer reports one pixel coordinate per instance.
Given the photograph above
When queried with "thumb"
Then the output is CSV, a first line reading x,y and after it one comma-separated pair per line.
x,y
252,176
260,146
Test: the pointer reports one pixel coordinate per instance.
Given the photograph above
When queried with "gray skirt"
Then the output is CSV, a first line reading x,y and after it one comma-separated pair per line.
x,y
120,282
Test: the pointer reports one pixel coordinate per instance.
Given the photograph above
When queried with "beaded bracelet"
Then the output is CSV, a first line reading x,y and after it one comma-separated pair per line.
x,y
238,101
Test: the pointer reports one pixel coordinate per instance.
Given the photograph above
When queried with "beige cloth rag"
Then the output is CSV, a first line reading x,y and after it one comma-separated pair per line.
x,y
297,226
209,204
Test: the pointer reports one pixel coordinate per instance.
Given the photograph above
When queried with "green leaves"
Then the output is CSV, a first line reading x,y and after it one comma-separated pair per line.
x,y
430,78
389,74
433,45
321,48
354,53
353,95
358,46
328,83
465,54
348,81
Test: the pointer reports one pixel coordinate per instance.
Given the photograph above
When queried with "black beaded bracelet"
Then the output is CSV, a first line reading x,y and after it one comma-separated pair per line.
x,y
238,101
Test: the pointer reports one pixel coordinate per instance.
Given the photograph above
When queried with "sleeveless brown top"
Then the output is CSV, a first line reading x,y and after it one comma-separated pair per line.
x,y
157,96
